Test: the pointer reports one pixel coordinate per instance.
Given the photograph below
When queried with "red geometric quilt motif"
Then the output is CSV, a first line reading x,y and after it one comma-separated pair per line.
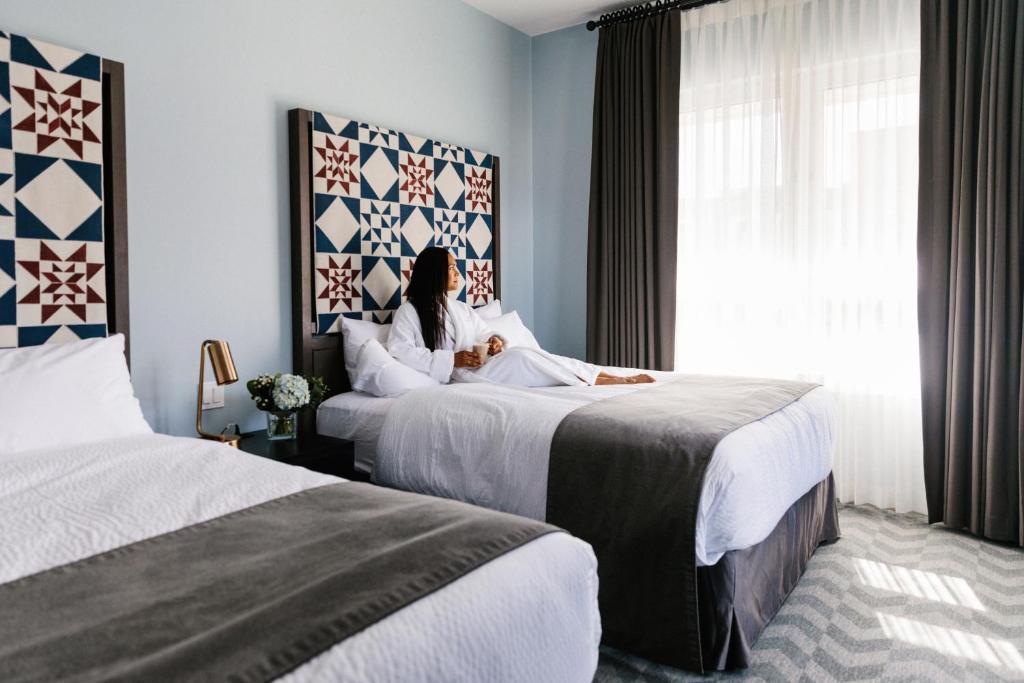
x,y
478,189
338,164
407,265
62,283
416,180
480,285
57,116
340,287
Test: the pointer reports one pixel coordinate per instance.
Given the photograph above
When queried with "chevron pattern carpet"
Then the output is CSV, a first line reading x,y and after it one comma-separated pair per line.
x,y
894,599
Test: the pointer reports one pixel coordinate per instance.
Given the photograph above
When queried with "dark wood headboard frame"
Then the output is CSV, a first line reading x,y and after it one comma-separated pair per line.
x,y
323,355
115,202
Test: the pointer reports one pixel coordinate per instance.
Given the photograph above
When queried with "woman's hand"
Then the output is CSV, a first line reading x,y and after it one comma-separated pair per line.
x,y
467,359
496,346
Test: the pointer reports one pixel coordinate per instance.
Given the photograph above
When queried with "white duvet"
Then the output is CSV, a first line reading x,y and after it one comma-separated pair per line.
x,y
489,444
530,615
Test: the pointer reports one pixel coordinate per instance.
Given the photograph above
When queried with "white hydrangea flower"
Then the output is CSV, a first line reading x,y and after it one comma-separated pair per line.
x,y
291,392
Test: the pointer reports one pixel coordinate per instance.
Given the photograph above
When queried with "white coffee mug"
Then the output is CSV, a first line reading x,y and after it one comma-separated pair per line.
x,y
481,351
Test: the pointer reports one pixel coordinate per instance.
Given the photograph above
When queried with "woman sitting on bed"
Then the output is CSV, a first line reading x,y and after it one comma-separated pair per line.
x,y
435,334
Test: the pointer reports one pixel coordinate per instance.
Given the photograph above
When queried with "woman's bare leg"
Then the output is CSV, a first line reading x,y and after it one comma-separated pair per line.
x,y
605,378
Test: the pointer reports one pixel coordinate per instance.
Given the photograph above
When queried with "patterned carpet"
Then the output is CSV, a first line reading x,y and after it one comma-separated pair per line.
x,y
894,599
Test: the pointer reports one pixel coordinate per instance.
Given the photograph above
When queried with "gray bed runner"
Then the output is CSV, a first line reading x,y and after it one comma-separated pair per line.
x,y
248,596
626,475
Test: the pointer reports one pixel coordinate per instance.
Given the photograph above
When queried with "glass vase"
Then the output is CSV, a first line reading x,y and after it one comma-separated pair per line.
x,y
282,425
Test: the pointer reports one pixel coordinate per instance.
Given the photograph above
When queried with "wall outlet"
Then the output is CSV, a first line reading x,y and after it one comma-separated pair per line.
x,y
213,396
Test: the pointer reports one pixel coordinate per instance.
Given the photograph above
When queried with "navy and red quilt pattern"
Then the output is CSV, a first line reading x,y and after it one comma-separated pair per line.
x,y
380,197
52,276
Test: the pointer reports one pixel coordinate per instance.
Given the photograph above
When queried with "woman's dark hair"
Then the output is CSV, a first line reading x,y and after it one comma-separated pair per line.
x,y
428,293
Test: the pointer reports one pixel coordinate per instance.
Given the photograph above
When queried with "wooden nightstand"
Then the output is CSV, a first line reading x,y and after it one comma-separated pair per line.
x,y
312,451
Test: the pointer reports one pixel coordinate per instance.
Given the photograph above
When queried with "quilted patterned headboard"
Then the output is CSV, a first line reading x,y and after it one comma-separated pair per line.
x,y
365,201
63,248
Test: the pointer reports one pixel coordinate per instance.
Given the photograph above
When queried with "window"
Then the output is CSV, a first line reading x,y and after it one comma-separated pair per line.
x,y
798,217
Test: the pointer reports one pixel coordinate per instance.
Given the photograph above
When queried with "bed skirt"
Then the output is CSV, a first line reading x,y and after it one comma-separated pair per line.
x,y
739,595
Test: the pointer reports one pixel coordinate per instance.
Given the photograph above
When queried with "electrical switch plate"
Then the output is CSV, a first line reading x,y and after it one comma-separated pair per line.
x,y
213,396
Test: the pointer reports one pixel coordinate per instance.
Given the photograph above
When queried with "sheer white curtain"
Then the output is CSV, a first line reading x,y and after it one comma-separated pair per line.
x,y
797,217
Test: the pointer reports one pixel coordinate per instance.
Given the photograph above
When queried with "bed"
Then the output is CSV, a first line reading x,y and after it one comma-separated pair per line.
x,y
767,499
140,556
693,587
527,615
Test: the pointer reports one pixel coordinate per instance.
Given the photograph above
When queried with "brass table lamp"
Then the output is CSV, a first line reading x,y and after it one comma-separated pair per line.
x,y
224,372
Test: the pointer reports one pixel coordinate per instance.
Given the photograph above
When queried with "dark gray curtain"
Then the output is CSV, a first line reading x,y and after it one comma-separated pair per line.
x,y
971,263
634,187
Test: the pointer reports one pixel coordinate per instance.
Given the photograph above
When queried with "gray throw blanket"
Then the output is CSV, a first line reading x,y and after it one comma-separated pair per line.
x,y
248,596
626,475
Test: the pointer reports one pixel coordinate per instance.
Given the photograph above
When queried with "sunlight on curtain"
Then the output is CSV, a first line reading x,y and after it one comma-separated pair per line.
x,y
797,217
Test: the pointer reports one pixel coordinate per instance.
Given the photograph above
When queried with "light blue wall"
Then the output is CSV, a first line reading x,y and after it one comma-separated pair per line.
x,y
208,85
563,100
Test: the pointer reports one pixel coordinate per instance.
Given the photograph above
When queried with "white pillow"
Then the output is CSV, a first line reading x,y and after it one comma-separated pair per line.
x,y
489,311
354,334
379,374
65,394
513,331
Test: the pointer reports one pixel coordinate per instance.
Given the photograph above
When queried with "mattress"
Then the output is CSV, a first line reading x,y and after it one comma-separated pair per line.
x,y
528,615
489,445
357,417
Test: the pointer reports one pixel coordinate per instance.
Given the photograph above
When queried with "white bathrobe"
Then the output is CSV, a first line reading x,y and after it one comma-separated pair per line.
x,y
517,365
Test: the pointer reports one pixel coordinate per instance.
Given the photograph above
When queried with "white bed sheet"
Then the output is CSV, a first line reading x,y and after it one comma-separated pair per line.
x,y
489,445
528,615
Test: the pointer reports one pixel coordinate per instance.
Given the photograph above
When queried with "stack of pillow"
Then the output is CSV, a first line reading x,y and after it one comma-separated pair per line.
x,y
372,370
370,367
58,395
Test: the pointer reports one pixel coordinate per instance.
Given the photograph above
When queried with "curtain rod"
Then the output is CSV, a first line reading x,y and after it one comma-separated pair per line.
x,y
645,9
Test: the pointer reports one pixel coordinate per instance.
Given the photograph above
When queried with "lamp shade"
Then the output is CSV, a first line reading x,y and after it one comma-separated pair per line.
x,y
223,364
